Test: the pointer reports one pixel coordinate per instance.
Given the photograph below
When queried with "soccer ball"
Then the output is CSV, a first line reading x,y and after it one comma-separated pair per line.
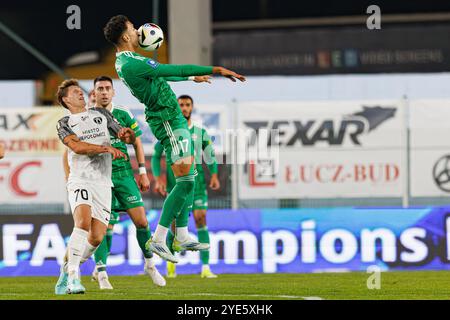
x,y
151,37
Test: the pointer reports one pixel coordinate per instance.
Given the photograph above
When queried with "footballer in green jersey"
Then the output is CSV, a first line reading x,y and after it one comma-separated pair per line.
x,y
202,145
147,81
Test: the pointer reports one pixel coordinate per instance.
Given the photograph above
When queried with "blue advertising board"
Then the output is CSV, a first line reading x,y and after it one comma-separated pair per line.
x,y
253,241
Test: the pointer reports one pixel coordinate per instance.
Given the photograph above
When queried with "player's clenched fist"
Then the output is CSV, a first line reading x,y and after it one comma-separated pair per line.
x,y
160,186
127,135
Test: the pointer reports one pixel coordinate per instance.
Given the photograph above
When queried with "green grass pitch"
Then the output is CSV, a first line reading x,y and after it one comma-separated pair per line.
x,y
348,286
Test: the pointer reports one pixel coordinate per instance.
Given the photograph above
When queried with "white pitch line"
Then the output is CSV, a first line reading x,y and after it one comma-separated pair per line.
x,y
241,295
196,294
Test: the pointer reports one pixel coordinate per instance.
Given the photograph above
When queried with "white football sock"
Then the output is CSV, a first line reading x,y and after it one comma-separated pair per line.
x,y
149,262
182,234
89,250
77,242
160,233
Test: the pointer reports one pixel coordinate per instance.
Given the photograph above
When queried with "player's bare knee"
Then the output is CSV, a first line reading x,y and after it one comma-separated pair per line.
x,y
83,224
96,239
141,224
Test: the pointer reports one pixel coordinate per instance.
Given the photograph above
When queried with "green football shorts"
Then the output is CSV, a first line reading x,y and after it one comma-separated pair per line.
x,y
175,137
126,195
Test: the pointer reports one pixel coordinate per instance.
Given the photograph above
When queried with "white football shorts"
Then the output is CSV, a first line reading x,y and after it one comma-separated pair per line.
x,y
98,197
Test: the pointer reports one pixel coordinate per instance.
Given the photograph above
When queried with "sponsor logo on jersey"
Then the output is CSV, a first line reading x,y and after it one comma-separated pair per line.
x,y
98,120
134,199
152,63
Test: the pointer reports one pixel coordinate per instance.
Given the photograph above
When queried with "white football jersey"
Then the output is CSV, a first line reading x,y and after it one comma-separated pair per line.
x,y
91,126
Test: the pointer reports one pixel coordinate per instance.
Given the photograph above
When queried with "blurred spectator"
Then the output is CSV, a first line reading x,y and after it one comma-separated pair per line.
x,y
91,99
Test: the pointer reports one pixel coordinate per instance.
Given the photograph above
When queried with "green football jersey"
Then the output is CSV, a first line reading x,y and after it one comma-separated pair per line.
x,y
147,81
126,120
203,146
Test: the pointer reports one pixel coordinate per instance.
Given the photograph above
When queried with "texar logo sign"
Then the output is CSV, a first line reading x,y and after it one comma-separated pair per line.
x,y
331,131
12,122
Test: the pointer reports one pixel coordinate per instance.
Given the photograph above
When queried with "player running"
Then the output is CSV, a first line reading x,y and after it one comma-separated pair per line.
x,y
147,81
86,133
126,193
202,143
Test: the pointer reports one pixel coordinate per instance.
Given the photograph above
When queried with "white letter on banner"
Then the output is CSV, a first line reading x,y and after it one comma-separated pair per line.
x,y
308,241
349,246
368,245
271,257
419,250
11,245
50,244
231,247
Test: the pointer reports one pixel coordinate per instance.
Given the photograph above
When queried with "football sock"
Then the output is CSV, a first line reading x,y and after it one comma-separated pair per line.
x,y
203,237
173,205
76,245
142,236
89,249
182,219
182,234
169,240
108,237
101,255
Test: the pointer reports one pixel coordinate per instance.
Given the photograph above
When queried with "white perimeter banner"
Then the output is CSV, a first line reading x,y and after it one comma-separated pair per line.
x,y
31,131
25,180
342,149
430,148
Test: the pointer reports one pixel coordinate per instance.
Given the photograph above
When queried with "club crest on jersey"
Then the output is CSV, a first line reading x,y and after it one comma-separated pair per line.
x,y
152,63
98,120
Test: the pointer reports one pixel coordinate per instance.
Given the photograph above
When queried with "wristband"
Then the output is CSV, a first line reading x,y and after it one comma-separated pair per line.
x,y
142,169
191,78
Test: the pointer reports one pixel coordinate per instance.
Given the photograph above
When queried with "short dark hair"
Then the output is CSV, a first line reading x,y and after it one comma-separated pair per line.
x,y
103,78
115,27
185,96
63,88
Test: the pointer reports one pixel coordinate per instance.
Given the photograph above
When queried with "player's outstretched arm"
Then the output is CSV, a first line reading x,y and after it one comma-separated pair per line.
x,y
228,74
197,79
80,147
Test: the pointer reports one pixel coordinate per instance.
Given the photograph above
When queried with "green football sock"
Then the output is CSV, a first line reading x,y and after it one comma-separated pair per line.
x,y
108,237
169,240
176,200
101,255
183,218
203,237
142,236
